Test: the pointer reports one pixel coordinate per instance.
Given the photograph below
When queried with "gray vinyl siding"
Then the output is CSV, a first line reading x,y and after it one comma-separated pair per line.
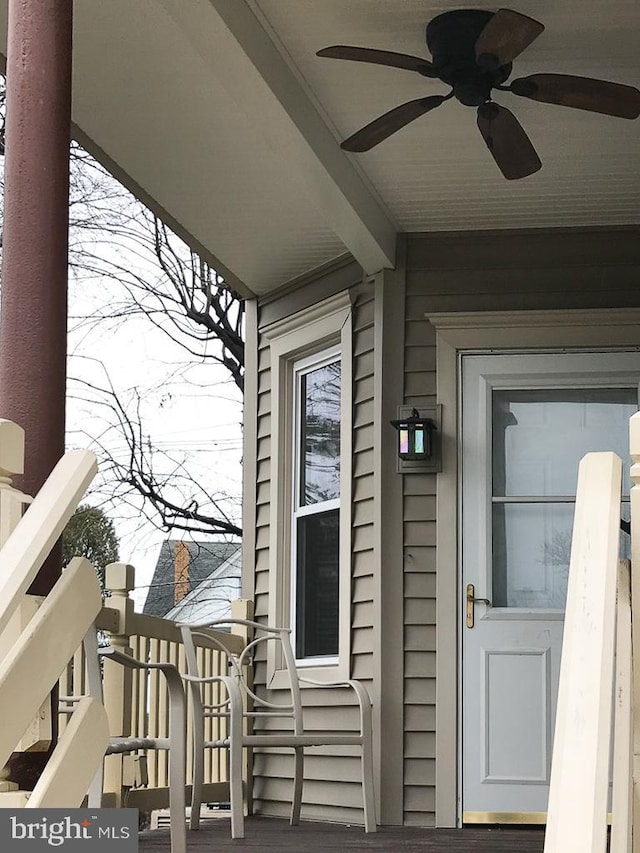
x,y
419,560
504,271
332,789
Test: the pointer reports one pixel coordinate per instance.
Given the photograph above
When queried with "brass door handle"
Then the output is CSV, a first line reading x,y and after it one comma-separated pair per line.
x,y
471,600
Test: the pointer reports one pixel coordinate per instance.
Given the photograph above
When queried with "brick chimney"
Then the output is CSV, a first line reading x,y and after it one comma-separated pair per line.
x,y
181,571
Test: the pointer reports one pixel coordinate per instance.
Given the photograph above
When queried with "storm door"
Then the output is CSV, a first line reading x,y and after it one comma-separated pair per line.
x,y
527,421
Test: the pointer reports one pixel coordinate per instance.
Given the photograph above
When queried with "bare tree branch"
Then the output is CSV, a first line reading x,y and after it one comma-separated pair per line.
x,y
199,511
116,243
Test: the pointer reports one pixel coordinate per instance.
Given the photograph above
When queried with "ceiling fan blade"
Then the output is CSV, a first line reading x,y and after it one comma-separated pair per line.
x,y
380,57
583,93
506,35
382,127
509,145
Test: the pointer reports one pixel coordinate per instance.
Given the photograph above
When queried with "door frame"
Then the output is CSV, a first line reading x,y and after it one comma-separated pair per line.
x,y
524,331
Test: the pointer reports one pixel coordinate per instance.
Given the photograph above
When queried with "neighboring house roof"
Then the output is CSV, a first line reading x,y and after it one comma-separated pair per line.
x,y
204,558
212,598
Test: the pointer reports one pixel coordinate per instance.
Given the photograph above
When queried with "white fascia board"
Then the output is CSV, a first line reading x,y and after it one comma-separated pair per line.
x,y
234,44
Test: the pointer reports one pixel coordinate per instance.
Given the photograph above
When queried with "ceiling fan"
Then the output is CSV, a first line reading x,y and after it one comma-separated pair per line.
x,y
472,52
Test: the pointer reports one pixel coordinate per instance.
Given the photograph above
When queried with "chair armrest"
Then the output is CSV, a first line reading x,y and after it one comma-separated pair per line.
x,y
204,679
234,693
361,692
362,695
127,660
169,670
233,700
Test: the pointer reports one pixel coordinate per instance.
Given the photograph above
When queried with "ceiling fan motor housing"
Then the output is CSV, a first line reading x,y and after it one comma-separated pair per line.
x,y
451,39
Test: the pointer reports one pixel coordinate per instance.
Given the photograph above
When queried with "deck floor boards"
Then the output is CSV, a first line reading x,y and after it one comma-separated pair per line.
x,y
271,834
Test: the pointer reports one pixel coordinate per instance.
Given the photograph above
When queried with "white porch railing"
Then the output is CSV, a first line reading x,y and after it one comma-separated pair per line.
x,y
598,654
136,704
31,663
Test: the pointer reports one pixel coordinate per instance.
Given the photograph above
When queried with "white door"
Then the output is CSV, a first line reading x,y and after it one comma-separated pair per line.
x,y
527,420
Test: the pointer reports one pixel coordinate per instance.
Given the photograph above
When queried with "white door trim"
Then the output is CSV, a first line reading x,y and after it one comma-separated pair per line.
x,y
496,330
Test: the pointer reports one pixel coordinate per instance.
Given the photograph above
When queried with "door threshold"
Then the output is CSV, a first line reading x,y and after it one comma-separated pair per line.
x,y
513,818
523,818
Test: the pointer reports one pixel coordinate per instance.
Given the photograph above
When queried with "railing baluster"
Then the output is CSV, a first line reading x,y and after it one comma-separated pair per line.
x,y
621,802
163,718
154,709
577,812
634,500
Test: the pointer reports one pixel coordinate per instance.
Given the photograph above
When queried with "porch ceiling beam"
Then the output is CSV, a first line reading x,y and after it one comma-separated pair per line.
x,y
236,47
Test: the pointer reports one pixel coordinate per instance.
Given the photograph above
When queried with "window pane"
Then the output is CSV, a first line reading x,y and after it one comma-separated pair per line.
x,y
531,549
320,435
539,436
317,585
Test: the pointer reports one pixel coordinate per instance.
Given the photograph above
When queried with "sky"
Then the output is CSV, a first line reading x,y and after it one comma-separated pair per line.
x,y
190,410
197,422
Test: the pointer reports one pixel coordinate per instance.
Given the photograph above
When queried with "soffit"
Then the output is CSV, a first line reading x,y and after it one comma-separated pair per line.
x,y
436,174
185,101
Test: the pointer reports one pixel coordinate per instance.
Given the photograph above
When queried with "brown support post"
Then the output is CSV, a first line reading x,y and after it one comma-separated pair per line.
x,y
33,315
33,318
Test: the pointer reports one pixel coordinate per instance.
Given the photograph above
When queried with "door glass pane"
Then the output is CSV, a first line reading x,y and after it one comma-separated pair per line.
x,y
317,582
531,549
539,436
320,435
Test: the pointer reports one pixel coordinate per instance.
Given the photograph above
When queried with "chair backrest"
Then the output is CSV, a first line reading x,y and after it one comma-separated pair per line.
x,y
241,665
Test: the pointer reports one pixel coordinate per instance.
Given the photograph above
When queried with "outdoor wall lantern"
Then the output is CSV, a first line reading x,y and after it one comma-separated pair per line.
x,y
415,437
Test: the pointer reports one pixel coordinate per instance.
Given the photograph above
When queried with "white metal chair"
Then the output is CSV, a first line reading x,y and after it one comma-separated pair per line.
x,y
175,743
242,706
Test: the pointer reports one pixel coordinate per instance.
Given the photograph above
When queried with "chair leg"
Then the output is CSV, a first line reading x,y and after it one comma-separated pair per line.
x,y
198,776
298,779
177,804
235,785
94,799
368,792
94,682
177,800
177,761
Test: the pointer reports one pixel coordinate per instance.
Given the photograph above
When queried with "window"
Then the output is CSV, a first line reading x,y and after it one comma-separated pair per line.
x,y
316,506
310,493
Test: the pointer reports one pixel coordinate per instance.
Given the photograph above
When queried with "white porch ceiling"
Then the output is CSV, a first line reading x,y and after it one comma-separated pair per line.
x,y
221,115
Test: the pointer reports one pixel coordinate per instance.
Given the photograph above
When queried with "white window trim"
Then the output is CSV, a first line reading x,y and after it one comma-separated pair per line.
x,y
491,330
325,324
